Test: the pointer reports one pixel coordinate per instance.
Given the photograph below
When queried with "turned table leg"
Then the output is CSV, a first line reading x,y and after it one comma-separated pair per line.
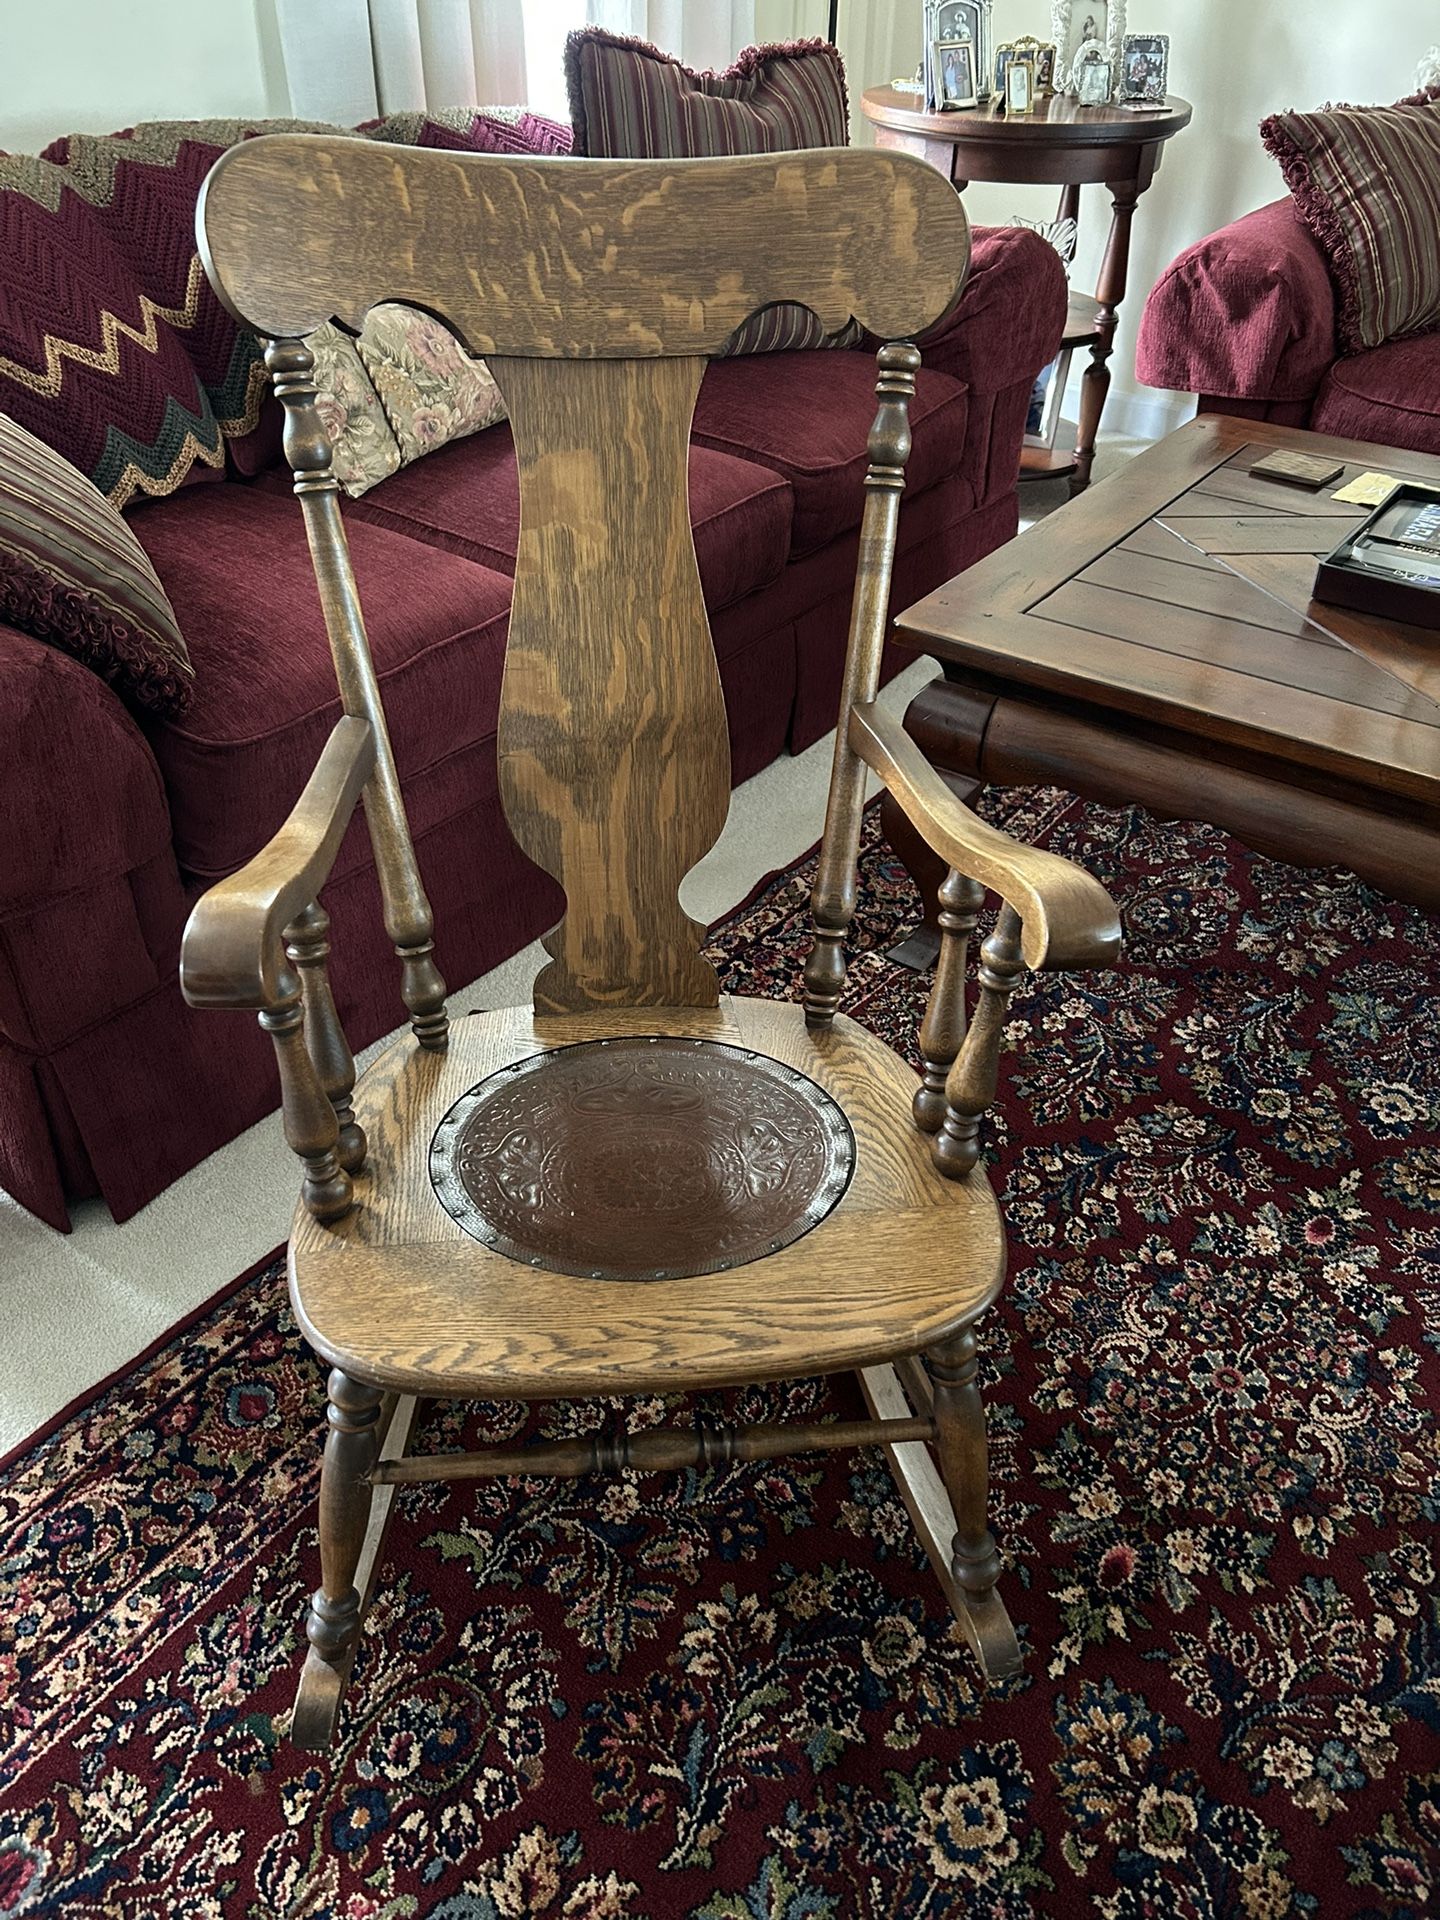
x,y
1110,292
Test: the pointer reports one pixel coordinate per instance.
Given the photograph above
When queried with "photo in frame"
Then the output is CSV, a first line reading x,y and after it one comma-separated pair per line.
x,y
1042,58
1074,23
947,21
1144,69
1094,82
1019,84
955,66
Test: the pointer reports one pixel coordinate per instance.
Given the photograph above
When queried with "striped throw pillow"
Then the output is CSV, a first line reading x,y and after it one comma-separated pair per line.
x,y
1366,182
630,101
72,573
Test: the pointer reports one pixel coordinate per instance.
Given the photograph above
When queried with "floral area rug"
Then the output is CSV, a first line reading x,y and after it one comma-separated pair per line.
x,y
736,1694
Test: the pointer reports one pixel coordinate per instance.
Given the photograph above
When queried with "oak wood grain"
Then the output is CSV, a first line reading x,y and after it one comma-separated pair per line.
x,y
834,893
232,953
1068,918
614,763
412,1302
589,258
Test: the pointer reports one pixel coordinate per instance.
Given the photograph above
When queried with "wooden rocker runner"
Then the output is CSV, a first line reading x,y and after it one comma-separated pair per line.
x,y
638,1185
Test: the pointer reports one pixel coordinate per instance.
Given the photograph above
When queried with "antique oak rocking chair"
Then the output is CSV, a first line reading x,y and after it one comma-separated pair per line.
x,y
640,1186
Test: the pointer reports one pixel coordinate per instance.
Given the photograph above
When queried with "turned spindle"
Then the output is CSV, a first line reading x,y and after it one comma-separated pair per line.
x,y
332,1625
832,901
943,1028
971,1082
307,947
408,919
311,1129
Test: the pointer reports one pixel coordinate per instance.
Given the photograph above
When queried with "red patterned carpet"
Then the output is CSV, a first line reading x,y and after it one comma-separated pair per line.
x,y
735,1695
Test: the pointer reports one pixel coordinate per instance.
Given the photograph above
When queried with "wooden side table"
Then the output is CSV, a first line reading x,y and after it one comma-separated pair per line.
x,y
1060,144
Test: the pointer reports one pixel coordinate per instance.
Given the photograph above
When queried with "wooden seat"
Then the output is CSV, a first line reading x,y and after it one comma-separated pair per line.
x,y
399,1294
532,1203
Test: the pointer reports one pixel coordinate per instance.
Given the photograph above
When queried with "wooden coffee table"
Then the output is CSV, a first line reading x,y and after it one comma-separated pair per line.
x,y
1154,641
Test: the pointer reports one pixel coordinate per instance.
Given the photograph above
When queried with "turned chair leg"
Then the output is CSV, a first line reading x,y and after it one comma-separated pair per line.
x,y
336,1610
975,1559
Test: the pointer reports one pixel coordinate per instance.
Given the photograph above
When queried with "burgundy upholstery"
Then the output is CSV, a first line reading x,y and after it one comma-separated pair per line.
x,y
235,564
1247,314
1247,320
108,1083
1391,394
806,416
465,499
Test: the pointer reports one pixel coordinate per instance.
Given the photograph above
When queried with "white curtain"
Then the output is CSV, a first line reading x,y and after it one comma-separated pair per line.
x,y
348,60
703,33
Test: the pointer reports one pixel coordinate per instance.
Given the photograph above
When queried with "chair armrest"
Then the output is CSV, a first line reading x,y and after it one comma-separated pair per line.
x,y
1067,918
1247,314
231,954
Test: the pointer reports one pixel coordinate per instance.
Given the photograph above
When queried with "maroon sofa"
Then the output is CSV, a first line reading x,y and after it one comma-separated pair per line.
x,y
114,823
1246,320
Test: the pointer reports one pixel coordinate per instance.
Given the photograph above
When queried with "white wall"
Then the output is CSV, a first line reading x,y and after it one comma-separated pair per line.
x,y
91,66
1235,61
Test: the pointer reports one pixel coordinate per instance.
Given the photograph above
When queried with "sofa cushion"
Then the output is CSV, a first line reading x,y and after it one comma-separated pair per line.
x,y
1366,181
630,101
72,573
234,561
1391,395
466,500
809,418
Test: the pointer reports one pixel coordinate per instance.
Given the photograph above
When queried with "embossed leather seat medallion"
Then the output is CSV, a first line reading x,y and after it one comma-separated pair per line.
x,y
642,1158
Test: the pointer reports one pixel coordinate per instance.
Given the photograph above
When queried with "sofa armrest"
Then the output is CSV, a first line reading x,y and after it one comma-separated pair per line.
x,y
80,791
1247,314
1006,327
1008,321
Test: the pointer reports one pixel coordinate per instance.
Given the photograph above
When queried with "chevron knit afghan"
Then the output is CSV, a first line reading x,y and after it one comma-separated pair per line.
x,y
113,348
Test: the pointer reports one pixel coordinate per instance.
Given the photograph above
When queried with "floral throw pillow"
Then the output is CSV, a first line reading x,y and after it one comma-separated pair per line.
x,y
362,447
431,389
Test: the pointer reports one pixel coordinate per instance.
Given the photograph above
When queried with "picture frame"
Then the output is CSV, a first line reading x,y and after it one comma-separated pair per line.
x,y
1042,57
1075,23
1144,69
1093,76
1042,419
950,20
954,62
1019,84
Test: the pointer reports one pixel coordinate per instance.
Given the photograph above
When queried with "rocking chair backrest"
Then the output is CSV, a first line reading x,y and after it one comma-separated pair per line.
x,y
596,290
